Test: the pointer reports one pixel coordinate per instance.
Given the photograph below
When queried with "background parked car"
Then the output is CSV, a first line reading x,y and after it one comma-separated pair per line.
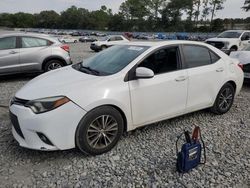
x,y
68,40
87,39
107,42
31,53
231,40
244,58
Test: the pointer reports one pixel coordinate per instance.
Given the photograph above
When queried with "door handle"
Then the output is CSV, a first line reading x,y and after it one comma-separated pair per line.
x,y
220,69
181,78
13,52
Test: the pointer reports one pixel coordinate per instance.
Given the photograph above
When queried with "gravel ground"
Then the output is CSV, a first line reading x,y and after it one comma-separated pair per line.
x,y
143,158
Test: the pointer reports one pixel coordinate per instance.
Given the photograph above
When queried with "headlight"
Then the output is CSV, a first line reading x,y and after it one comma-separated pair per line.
x,y
46,104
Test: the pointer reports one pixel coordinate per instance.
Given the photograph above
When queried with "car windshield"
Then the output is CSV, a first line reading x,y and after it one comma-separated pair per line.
x,y
111,60
230,34
103,39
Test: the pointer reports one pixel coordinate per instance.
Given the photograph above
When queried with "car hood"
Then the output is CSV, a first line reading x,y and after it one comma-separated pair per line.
x,y
242,56
222,39
63,81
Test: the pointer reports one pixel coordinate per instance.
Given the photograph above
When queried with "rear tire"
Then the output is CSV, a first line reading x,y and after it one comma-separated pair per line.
x,y
224,100
99,130
52,65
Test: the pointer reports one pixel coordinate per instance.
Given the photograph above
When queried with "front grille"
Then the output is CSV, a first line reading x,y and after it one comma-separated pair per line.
x,y
18,101
246,68
16,125
218,45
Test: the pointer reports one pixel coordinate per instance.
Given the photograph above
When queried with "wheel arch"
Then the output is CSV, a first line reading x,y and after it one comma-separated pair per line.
x,y
53,58
232,83
235,47
125,121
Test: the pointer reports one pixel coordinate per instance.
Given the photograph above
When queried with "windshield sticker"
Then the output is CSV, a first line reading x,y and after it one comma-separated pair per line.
x,y
136,48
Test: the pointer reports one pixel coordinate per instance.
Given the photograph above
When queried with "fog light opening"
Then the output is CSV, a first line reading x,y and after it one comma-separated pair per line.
x,y
44,139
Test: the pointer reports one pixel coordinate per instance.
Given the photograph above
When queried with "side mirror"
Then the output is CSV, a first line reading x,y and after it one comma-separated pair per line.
x,y
144,73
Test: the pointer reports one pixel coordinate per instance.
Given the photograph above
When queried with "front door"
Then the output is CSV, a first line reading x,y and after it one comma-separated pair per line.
x,y
164,95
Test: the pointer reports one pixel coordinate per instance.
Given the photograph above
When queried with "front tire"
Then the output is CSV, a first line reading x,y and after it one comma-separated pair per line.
x,y
224,100
99,130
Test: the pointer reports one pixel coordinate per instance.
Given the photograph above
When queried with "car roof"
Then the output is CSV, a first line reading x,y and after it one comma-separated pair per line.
x,y
44,36
164,43
115,36
237,31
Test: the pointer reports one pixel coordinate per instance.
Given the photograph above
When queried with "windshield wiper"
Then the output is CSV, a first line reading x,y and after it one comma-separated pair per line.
x,y
95,72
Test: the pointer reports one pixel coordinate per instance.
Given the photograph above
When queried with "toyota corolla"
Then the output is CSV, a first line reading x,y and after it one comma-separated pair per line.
x,y
90,104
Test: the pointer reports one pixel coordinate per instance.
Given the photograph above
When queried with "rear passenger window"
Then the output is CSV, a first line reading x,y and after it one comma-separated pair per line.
x,y
7,43
196,56
29,42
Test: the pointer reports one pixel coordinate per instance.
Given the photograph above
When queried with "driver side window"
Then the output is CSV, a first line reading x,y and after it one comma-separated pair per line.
x,y
162,61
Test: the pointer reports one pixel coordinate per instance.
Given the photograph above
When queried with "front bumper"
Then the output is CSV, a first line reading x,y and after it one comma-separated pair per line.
x,y
95,47
69,61
58,126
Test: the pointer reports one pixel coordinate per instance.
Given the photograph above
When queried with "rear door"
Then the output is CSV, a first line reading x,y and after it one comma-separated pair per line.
x,y
9,55
32,51
206,73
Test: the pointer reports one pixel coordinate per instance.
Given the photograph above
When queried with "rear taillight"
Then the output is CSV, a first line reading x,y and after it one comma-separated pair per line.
x,y
65,47
240,65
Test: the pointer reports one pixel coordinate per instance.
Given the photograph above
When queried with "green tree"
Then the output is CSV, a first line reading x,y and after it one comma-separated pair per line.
x,y
75,18
47,19
154,7
246,6
215,6
6,20
134,9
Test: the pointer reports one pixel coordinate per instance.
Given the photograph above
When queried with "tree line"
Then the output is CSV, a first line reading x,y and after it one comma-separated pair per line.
x,y
133,15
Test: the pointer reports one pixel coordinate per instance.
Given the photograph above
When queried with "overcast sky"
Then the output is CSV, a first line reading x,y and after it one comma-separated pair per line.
x,y
232,7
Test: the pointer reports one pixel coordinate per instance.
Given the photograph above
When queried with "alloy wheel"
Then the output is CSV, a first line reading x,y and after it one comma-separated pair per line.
x,y
54,66
226,99
102,131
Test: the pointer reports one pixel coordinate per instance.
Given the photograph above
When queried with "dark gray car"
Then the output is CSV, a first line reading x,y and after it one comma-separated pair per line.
x,y
22,52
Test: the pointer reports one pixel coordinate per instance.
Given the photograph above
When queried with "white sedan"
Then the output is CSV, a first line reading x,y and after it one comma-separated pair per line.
x,y
107,42
68,40
90,104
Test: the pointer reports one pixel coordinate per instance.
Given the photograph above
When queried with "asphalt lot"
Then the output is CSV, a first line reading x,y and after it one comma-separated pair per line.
x,y
143,158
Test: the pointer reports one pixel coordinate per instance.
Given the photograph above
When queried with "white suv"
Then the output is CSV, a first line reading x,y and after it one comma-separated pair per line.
x,y
231,40
108,41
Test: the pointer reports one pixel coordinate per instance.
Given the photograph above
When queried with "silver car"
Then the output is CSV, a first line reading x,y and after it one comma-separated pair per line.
x,y
22,52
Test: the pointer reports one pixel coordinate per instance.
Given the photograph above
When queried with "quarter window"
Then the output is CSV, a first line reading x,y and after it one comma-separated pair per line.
x,y
29,42
7,43
214,57
162,61
196,56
